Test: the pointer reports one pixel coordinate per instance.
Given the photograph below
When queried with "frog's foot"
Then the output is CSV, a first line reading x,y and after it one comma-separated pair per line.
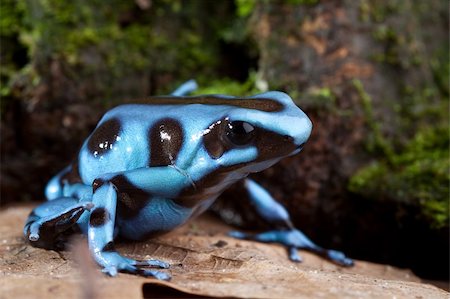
x,y
293,240
46,223
113,262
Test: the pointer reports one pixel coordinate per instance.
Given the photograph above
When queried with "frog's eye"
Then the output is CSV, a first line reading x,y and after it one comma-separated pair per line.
x,y
240,132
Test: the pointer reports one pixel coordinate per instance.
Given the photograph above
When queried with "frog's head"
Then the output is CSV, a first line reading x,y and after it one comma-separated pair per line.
x,y
257,132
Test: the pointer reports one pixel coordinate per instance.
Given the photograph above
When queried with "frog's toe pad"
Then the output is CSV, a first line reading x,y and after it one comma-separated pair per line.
x,y
238,235
114,263
33,237
137,269
110,271
153,273
339,258
294,256
134,269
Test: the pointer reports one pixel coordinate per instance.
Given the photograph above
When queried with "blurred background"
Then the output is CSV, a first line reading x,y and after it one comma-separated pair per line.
x,y
373,75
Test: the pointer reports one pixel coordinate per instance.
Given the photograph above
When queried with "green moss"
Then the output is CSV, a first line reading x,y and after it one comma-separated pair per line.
x,y
111,41
440,66
244,7
227,86
322,99
13,52
398,49
302,2
376,143
11,13
419,175
376,11
398,44
416,170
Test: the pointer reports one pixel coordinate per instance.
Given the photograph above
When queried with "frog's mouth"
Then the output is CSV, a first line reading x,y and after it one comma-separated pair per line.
x,y
297,150
260,166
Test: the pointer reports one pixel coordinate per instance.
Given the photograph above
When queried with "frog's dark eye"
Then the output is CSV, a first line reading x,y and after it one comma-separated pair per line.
x,y
240,132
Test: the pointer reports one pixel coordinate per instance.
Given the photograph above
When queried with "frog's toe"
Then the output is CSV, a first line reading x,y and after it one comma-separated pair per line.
x,y
33,237
137,269
110,270
153,273
293,239
43,227
294,256
153,263
339,258
238,235
113,263
34,234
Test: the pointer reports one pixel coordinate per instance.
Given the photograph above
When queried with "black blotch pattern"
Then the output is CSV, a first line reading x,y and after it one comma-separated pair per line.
x,y
109,247
104,137
262,104
191,197
166,139
97,184
72,176
99,217
131,199
269,144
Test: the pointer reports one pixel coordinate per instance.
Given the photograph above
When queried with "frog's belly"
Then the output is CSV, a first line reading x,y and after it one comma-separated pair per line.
x,y
158,215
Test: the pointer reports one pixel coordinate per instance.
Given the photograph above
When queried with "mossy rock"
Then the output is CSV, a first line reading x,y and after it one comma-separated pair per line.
x,y
419,175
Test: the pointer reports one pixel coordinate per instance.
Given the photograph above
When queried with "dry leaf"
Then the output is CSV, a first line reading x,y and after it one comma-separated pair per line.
x,y
205,262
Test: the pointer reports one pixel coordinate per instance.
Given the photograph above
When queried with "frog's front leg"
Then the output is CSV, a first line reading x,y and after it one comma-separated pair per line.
x,y
47,222
288,235
101,234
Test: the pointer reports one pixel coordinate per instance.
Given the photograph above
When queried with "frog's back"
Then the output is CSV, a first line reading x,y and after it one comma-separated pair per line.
x,y
172,131
136,136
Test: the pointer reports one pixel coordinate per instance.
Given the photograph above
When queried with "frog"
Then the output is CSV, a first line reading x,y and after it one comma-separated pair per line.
x,y
151,166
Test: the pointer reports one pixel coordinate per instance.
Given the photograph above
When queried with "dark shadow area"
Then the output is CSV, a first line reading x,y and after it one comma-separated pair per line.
x,y
151,290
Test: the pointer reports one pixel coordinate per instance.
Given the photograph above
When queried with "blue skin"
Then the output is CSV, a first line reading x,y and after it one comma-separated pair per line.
x,y
149,168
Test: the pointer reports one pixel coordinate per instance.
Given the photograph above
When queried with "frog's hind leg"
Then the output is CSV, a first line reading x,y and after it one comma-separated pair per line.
x,y
47,223
293,239
101,235
54,188
185,88
69,176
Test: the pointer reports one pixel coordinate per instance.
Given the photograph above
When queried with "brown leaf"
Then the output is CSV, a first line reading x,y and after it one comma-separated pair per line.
x,y
205,262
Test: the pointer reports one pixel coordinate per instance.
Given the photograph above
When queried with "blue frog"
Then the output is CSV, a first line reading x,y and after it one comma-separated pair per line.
x,y
149,167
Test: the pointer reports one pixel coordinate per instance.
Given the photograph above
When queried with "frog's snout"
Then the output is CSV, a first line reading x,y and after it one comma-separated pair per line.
x,y
292,140
288,138
300,147
300,134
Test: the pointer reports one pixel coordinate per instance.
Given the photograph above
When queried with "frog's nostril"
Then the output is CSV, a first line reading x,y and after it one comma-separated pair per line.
x,y
288,138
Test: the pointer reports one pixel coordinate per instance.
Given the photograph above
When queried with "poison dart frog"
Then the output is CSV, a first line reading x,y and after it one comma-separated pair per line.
x,y
150,167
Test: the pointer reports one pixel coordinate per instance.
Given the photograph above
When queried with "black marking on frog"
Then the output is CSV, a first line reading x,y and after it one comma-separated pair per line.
x,y
104,137
166,138
99,217
261,104
131,199
109,247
